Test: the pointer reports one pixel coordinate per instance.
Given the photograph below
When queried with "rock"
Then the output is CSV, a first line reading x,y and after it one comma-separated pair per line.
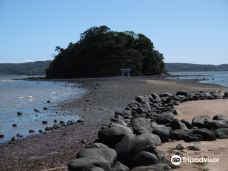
x,y
179,147
70,122
19,113
62,122
131,145
14,125
45,108
177,124
97,169
98,151
126,114
215,124
112,135
221,133
182,93
165,118
40,131
36,110
83,141
144,158
206,134
193,148
48,101
141,125
199,121
220,117
19,135
55,121
119,167
162,131
155,97
156,167
225,95
179,134
44,122
86,164
1,135
193,137
31,131
187,124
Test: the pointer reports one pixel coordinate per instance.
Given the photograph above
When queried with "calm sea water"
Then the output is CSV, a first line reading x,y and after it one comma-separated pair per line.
x,y
212,77
25,96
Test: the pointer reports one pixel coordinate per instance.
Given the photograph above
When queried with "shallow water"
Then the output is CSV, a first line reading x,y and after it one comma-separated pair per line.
x,y
25,96
211,77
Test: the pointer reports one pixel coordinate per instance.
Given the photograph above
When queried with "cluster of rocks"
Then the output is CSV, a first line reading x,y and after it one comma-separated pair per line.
x,y
129,141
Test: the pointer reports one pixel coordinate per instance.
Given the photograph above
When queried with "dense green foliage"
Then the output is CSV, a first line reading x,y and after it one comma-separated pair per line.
x,y
29,68
178,67
102,52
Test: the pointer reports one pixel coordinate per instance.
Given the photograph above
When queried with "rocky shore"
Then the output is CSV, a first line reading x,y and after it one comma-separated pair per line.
x,y
105,96
129,141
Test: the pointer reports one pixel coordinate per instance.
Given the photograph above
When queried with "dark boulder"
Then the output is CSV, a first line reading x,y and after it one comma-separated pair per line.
x,y
119,167
193,148
177,124
98,151
162,131
144,158
86,164
221,133
179,134
165,118
141,125
207,135
131,145
199,121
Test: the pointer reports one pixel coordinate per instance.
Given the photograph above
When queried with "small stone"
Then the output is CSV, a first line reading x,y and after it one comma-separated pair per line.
x,y
179,147
48,101
44,122
80,120
14,125
1,135
55,121
19,135
31,131
36,110
84,141
62,123
45,108
40,131
193,148
19,113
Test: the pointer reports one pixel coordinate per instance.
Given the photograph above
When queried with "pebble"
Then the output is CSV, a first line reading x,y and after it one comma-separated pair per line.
x,y
193,148
44,122
31,131
1,135
179,147
14,125
19,113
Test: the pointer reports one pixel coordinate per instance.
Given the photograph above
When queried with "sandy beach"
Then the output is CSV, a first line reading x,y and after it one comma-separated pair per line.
x,y
213,149
53,150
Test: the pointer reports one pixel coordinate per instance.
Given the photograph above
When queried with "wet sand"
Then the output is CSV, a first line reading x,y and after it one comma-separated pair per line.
x,y
213,149
53,150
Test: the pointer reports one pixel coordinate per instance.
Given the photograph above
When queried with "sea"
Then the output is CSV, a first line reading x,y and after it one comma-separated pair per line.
x,y
20,95
210,77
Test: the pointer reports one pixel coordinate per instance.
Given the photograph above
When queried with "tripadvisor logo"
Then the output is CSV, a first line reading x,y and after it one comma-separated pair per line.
x,y
176,160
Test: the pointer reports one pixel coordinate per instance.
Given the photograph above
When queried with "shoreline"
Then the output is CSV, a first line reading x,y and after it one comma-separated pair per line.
x,y
104,97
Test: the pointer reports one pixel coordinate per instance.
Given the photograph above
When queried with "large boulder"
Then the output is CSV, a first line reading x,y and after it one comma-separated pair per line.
x,y
206,134
119,167
87,164
156,167
141,125
199,121
221,133
220,117
131,145
165,118
144,158
162,131
177,124
113,134
98,151
179,134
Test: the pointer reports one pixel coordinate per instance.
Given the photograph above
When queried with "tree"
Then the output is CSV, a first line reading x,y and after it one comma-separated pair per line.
x,y
102,52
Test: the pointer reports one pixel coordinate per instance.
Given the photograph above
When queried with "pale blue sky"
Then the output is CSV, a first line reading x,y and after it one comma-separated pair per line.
x,y
194,31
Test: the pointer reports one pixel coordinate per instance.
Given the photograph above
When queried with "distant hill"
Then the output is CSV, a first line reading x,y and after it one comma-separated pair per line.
x,y
176,67
28,68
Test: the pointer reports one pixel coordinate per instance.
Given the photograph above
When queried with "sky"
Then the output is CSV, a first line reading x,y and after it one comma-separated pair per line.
x,y
190,31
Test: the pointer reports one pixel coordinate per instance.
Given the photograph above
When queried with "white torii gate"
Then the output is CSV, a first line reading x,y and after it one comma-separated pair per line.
x,y
125,72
